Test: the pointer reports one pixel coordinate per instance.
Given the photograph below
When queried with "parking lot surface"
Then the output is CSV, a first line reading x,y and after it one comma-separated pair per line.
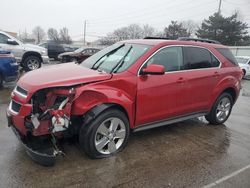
x,y
187,154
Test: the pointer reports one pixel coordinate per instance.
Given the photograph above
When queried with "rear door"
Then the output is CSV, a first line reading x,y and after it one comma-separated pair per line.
x,y
160,96
202,72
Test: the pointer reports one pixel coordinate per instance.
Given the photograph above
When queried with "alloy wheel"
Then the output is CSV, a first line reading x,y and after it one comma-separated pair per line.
x,y
223,109
33,64
110,135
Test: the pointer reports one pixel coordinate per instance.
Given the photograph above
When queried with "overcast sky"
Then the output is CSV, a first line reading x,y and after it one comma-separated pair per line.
x,y
103,16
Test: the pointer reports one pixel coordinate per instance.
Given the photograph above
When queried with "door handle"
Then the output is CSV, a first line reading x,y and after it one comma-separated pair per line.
x,y
180,80
216,74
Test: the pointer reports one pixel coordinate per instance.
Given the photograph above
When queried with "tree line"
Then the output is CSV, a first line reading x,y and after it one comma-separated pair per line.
x,y
38,35
227,30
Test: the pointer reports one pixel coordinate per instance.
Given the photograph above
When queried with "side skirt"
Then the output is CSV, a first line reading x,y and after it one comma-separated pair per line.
x,y
168,121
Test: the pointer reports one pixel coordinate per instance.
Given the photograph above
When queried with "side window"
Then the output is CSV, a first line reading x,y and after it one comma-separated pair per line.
x,y
197,58
171,58
3,38
214,62
228,54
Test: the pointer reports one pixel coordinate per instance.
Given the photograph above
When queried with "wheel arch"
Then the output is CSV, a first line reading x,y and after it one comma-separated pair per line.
x,y
31,53
93,102
230,85
98,109
232,92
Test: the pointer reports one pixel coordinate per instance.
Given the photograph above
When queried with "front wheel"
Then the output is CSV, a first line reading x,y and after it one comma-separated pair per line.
x,y
106,135
32,63
221,109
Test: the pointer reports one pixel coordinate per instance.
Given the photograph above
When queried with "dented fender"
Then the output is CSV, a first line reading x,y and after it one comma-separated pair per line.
x,y
97,99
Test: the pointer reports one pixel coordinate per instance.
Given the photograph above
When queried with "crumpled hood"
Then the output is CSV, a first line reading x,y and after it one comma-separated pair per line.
x,y
60,75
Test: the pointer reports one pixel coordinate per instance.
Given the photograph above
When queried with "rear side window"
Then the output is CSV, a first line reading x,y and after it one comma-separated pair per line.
x,y
227,54
199,58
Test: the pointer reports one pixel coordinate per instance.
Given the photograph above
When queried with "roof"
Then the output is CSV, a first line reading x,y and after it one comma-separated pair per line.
x,y
154,42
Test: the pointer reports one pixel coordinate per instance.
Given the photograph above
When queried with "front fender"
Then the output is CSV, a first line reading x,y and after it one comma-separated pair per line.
x,y
88,98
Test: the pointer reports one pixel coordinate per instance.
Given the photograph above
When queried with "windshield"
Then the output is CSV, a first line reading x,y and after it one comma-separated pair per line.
x,y
116,58
242,60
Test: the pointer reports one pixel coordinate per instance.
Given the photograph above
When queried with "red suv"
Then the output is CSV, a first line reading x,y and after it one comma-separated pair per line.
x,y
130,86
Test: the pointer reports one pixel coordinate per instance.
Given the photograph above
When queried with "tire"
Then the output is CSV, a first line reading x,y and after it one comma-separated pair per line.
x,y
97,138
244,72
221,109
32,63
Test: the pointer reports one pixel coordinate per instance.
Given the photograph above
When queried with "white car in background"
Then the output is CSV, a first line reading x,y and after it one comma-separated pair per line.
x,y
244,63
29,56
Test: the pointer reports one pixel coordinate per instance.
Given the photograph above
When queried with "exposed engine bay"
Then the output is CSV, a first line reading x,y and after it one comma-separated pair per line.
x,y
51,111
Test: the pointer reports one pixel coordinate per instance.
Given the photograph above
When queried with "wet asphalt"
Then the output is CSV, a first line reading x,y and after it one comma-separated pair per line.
x,y
187,154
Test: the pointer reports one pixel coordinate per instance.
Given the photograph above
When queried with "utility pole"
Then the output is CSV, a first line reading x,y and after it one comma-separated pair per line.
x,y
219,7
84,33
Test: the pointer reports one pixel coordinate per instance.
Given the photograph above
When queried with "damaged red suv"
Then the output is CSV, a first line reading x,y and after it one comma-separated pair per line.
x,y
130,86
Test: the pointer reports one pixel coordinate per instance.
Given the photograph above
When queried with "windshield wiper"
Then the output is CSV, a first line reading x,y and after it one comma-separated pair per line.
x,y
121,62
108,54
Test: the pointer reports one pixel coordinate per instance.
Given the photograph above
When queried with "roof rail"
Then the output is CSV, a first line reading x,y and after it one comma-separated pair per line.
x,y
198,40
159,38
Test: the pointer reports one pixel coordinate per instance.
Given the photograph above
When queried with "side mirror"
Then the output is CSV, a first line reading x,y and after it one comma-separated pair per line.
x,y
153,69
12,42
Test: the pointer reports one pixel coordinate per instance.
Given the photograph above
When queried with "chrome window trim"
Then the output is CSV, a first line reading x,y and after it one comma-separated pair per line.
x,y
20,94
138,73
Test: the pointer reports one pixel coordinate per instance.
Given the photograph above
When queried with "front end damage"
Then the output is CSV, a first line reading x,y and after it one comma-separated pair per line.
x,y
41,121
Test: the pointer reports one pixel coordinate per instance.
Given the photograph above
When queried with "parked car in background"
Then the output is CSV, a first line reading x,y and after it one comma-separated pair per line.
x,y
69,48
29,56
8,67
111,94
54,49
244,63
78,55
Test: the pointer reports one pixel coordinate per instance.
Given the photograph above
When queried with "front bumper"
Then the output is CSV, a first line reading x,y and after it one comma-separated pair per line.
x,y
45,59
44,154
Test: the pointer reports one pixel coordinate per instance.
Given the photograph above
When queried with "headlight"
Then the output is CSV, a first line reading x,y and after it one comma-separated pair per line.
x,y
44,52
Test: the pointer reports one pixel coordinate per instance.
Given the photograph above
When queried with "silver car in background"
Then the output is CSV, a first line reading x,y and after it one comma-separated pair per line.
x,y
244,63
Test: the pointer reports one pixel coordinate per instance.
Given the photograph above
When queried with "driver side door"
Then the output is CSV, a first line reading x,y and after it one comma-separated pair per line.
x,y
159,97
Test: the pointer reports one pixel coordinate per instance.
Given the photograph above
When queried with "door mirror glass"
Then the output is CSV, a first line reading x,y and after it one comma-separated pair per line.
x,y
12,42
153,69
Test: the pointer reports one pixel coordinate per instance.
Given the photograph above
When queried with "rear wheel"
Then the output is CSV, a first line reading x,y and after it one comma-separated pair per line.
x,y
221,109
32,63
106,135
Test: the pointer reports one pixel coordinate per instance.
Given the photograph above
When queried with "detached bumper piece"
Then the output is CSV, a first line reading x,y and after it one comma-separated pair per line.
x,y
44,154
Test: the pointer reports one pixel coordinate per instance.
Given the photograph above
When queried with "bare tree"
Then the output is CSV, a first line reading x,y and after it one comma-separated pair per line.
x,y
148,31
64,35
191,27
133,31
53,35
38,34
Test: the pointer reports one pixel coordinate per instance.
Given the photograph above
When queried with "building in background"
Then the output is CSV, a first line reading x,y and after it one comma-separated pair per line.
x,y
240,50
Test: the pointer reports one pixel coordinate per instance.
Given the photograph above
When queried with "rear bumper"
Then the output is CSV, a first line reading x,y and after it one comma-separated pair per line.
x,y
43,154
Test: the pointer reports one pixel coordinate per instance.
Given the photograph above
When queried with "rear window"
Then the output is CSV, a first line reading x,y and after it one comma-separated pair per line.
x,y
227,54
